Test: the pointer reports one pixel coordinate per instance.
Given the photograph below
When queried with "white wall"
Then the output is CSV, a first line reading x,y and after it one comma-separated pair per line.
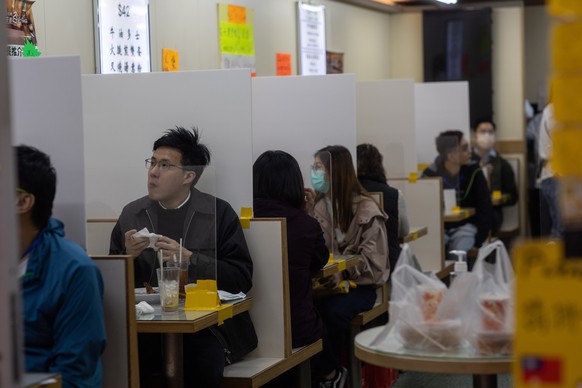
x,y
406,59
508,72
386,118
9,297
47,114
190,26
537,24
126,113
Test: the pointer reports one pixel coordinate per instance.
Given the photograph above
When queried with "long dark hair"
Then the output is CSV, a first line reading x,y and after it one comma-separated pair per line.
x,y
277,175
370,160
344,182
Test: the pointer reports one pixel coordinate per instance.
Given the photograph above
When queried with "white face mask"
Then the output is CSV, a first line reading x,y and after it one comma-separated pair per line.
x,y
485,140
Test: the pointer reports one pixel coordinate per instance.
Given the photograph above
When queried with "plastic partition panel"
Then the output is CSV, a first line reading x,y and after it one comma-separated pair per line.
x,y
439,106
385,118
424,205
126,113
115,305
47,113
300,115
99,236
10,320
267,244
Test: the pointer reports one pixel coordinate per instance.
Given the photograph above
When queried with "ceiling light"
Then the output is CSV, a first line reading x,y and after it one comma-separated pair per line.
x,y
448,1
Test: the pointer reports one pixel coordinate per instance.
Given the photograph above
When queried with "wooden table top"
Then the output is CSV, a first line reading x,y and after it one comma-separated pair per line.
x,y
414,234
185,321
339,264
460,216
390,353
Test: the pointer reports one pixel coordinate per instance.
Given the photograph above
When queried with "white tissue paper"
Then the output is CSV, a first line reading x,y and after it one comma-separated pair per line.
x,y
144,308
226,296
151,236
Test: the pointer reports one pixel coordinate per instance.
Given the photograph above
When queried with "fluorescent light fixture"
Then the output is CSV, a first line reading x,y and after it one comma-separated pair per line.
x,y
448,1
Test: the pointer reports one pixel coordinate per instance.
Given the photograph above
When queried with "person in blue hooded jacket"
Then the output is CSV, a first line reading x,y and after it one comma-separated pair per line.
x,y
62,289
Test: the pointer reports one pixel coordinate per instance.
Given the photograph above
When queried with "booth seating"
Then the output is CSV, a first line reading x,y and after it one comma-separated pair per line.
x,y
356,326
511,222
120,360
267,242
424,204
99,234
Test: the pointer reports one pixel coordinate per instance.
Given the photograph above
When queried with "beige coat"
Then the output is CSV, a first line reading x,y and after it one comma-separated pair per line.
x,y
366,237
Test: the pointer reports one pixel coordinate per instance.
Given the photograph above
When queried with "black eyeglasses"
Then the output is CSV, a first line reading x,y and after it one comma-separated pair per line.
x,y
162,165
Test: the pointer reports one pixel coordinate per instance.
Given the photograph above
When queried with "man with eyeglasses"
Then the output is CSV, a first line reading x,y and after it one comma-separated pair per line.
x,y
453,165
176,210
62,289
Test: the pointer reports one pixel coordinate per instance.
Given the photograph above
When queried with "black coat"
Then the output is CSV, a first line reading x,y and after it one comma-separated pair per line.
x,y
306,253
377,183
229,263
473,191
502,179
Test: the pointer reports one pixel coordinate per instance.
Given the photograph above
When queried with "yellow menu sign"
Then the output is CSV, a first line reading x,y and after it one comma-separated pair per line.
x,y
236,37
548,337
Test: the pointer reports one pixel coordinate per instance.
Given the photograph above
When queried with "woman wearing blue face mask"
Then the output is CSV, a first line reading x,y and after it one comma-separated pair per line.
x,y
353,224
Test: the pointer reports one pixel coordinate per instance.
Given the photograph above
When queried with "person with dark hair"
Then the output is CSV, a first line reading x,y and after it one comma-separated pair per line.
x,y
453,165
278,191
62,289
372,176
352,224
496,169
213,244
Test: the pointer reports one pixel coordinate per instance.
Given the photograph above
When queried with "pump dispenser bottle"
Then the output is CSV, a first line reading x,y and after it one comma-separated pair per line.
x,y
460,264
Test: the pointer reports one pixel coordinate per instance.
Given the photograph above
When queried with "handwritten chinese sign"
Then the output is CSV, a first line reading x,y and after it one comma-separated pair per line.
x,y
311,21
236,37
548,341
124,41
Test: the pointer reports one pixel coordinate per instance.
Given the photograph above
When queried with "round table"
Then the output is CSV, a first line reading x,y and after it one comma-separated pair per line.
x,y
390,353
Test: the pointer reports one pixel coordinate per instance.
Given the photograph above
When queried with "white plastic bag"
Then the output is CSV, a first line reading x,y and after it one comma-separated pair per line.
x,y
423,313
489,322
406,257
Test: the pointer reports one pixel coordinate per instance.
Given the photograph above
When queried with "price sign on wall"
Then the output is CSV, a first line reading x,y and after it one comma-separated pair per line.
x,y
311,36
123,36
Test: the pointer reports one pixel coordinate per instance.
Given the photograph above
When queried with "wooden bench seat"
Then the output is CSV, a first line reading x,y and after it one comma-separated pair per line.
x,y
267,242
254,372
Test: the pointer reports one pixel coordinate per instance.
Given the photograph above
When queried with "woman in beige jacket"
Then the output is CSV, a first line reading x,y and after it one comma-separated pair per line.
x,y
353,224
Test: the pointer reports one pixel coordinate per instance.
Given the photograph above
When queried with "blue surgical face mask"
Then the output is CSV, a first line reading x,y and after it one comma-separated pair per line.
x,y
318,181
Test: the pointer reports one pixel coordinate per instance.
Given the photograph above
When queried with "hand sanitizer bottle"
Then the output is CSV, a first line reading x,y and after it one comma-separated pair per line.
x,y
460,264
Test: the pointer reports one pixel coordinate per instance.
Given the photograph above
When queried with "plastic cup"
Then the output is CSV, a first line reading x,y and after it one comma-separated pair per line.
x,y
494,309
183,266
168,283
430,298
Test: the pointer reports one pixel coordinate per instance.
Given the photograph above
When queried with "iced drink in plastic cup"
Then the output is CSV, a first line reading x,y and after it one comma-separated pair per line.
x,y
168,284
494,311
430,298
183,275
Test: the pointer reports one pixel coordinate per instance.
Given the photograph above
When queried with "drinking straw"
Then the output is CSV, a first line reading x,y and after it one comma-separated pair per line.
x,y
161,259
180,252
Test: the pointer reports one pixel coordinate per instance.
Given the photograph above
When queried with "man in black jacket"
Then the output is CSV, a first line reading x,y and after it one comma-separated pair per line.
x,y
497,170
212,242
452,164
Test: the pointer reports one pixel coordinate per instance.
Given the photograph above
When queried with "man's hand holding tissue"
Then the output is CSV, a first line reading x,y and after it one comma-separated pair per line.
x,y
134,246
171,247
